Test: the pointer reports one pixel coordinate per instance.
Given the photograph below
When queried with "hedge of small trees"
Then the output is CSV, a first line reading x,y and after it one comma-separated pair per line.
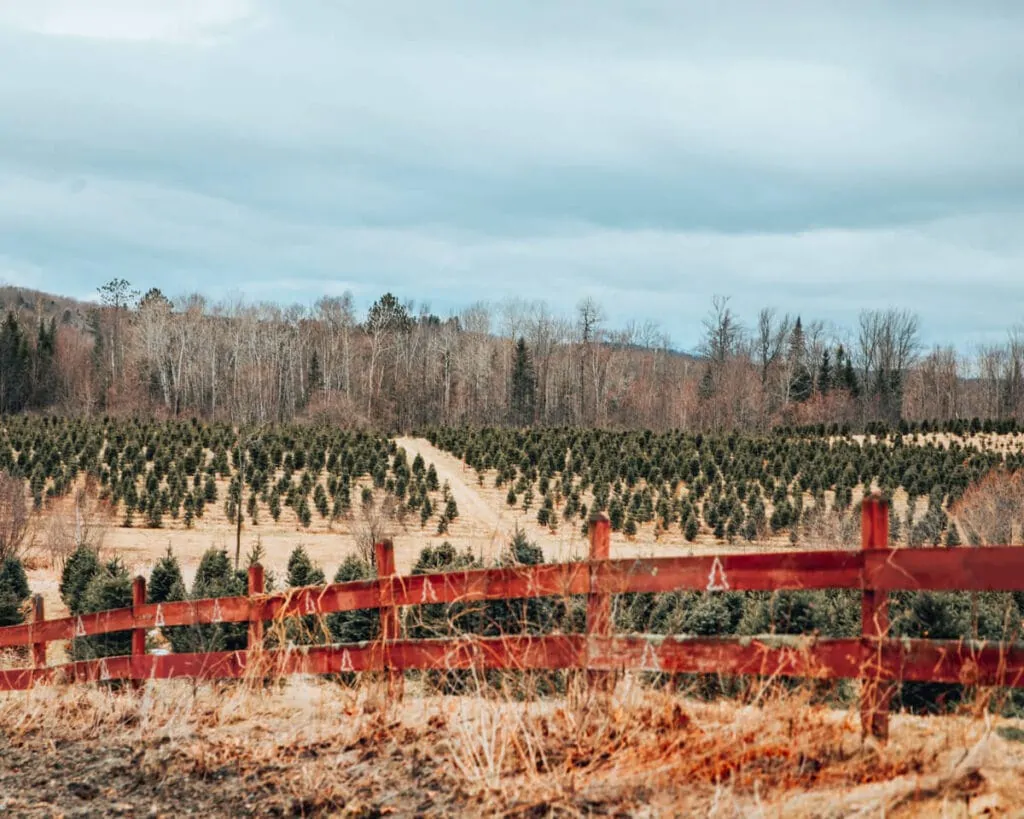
x,y
738,488
153,472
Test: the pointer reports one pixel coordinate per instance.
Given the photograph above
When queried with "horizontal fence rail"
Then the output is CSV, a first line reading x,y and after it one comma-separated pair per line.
x,y
874,570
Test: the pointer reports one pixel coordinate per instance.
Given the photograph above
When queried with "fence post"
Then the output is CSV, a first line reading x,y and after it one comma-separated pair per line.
x,y
38,644
257,585
138,634
876,693
599,604
389,627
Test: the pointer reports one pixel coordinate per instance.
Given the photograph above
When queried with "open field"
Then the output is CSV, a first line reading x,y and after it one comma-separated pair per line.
x,y
310,747
484,526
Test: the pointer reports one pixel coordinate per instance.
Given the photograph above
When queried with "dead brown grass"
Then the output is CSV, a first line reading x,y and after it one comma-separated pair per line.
x,y
310,747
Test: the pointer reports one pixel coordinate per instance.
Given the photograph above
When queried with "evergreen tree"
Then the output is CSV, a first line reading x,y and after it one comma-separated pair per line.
x,y
523,388
109,588
302,571
14,592
800,384
44,367
15,386
361,624
825,372
315,376
166,585
529,616
79,569
953,536
846,376
165,581
215,577
692,529
451,509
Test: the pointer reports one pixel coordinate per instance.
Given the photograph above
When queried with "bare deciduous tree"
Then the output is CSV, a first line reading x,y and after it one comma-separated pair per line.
x,y
991,512
14,516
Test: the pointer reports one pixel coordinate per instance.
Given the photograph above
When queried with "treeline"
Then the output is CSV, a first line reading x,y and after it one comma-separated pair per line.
x,y
517,363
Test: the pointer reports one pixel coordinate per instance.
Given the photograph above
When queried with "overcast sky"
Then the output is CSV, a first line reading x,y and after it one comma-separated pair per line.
x,y
819,156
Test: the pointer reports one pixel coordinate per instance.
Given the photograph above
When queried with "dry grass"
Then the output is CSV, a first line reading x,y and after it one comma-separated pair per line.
x,y
310,747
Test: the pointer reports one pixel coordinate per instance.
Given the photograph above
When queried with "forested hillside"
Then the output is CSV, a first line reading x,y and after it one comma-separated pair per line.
x,y
515,363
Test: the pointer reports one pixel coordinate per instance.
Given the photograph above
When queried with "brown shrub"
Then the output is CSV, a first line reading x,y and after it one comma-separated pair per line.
x,y
991,511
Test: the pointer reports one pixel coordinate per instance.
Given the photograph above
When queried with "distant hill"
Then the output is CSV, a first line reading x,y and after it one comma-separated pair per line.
x,y
29,304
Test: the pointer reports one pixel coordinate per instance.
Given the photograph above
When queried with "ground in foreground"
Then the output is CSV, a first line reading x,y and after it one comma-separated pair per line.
x,y
310,748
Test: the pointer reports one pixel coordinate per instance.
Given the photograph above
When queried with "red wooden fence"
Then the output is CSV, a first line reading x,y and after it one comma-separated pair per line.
x,y
874,658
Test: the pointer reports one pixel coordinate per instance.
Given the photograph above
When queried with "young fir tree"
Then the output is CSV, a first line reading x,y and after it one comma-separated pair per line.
x,y
953,536
79,569
167,585
530,616
436,620
109,588
215,577
361,624
302,571
692,529
14,592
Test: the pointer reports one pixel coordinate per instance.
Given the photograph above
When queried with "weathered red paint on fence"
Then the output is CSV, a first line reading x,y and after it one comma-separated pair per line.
x,y
875,569
874,619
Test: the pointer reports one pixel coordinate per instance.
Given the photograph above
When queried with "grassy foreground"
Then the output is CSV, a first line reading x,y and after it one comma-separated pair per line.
x,y
307,747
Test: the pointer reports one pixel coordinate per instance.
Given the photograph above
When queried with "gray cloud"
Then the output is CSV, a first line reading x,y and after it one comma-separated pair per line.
x,y
819,157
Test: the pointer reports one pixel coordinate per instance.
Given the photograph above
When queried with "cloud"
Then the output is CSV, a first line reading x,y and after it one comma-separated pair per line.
x,y
181,21
650,155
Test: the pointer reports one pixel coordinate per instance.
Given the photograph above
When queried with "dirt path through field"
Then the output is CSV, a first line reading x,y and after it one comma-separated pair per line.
x,y
487,520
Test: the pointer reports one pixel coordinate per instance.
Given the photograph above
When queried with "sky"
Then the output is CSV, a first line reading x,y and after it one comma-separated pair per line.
x,y
817,157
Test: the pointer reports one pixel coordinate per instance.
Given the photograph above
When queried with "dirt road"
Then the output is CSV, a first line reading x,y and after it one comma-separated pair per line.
x,y
491,525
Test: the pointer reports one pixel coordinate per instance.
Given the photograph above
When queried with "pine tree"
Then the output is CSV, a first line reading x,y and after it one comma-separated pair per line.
x,y
302,571
451,509
109,588
361,624
215,577
167,585
15,385
523,388
692,529
825,372
79,569
800,384
165,581
953,536
315,377
14,592
530,616
846,376
304,513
